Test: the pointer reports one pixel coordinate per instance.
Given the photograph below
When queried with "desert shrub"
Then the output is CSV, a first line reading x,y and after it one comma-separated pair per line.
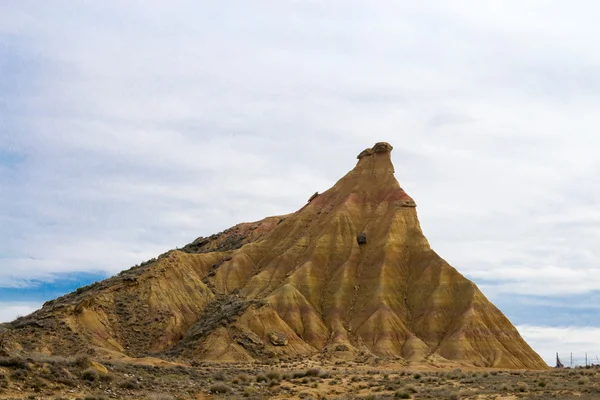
x,y
220,388
274,375
130,384
411,389
542,384
522,387
325,375
19,374
312,372
402,394
90,375
82,361
244,378
583,381
261,378
454,396
3,380
13,362
298,374
219,376
417,376
106,377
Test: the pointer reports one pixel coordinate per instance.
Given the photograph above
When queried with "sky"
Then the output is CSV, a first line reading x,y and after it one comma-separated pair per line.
x,y
128,128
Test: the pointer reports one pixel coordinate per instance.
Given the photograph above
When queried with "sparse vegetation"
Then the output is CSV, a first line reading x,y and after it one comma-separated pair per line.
x,y
90,375
402,394
220,388
96,379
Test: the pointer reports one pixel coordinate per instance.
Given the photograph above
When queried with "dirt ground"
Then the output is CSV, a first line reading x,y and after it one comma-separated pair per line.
x,y
82,378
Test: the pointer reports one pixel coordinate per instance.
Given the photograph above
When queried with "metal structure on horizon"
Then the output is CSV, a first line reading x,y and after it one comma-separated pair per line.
x,y
574,362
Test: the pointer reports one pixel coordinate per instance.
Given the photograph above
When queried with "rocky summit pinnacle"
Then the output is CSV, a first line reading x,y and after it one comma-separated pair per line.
x,y
380,147
348,276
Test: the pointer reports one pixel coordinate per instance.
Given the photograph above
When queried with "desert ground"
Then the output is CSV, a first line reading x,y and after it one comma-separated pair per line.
x,y
45,377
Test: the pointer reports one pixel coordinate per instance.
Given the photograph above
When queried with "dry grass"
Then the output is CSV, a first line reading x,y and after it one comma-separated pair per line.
x,y
71,378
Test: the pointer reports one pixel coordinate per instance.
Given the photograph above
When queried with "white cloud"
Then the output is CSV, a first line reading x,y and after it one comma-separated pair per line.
x,y
10,310
548,341
142,131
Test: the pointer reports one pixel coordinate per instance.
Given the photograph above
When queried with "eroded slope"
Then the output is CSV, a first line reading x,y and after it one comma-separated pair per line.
x,y
349,274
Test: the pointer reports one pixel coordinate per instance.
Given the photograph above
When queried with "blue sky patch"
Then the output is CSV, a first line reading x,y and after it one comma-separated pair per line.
x,y
39,291
11,159
572,310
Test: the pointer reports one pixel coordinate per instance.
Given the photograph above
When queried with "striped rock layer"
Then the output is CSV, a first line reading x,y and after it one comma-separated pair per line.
x,y
350,275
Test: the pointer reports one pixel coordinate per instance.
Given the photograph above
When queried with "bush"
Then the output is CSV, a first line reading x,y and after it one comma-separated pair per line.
x,y
19,374
3,381
411,389
90,375
130,384
325,375
220,388
244,378
83,361
274,375
13,362
522,387
219,376
298,374
402,394
584,381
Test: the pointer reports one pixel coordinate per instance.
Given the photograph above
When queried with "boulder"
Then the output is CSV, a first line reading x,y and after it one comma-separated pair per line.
x,y
361,238
278,339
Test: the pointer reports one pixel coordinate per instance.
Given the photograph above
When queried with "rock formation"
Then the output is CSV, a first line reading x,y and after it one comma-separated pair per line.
x,y
301,285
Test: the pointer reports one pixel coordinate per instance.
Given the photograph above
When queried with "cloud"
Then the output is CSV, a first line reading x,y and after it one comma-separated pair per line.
x,y
11,310
548,341
130,129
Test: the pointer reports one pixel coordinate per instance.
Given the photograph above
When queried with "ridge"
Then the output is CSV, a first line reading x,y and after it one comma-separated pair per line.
x,y
348,276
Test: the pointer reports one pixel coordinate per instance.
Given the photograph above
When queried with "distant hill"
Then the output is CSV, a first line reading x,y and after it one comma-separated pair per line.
x,y
350,275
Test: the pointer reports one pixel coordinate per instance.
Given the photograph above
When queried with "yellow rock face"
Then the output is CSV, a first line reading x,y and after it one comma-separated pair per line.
x,y
350,274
